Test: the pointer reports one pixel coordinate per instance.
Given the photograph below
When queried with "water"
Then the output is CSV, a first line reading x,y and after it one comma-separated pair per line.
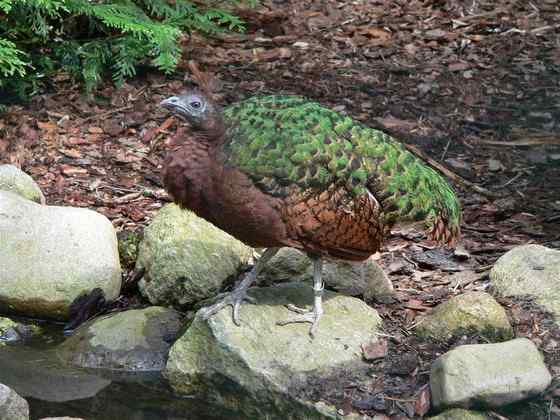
x,y
53,389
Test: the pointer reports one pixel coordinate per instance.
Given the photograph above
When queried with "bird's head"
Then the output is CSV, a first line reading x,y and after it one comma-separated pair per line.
x,y
194,107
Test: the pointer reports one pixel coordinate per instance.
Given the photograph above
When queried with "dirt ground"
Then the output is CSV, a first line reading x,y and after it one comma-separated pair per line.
x,y
473,85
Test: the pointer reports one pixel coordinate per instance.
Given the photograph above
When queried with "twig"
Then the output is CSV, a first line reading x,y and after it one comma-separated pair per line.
x,y
511,180
106,114
535,141
445,150
481,15
447,172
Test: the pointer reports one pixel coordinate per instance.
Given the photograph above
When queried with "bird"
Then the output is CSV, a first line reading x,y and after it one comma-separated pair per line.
x,y
285,171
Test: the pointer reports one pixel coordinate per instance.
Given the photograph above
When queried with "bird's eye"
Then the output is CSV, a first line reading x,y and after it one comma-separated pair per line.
x,y
196,104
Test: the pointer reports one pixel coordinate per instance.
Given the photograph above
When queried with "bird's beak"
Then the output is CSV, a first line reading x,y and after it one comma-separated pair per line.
x,y
170,103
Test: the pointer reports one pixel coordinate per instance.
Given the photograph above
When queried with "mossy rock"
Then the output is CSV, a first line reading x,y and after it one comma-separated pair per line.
x,y
186,259
15,180
263,370
529,270
133,340
466,314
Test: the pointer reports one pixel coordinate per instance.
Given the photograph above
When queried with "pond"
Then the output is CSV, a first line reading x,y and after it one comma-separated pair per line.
x,y
52,389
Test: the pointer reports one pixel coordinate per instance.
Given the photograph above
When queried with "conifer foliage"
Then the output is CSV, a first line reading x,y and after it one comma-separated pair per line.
x,y
92,39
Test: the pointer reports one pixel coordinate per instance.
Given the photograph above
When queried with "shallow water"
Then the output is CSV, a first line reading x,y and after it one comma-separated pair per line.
x,y
53,389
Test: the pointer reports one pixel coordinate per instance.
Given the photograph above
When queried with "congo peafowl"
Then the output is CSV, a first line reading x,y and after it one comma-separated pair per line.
x,y
278,171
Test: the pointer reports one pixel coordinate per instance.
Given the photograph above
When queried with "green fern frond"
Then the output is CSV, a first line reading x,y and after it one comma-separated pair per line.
x,y
11,62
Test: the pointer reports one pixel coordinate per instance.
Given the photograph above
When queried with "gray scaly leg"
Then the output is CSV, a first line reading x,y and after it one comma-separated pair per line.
x,y
239,294
315,314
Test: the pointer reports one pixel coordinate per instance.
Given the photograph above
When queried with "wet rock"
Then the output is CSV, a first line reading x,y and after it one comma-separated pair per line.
x,y
350,278
50,255
186,259
133,340
489,375
12,406
532,270
462,414
264,370
469,313
15,180
8,330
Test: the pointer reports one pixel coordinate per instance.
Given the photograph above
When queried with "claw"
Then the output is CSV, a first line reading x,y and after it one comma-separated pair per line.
x,y
304,316
238,295
233,299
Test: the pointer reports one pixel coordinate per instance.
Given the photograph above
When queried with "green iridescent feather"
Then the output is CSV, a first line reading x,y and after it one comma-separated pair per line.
x,y
280,141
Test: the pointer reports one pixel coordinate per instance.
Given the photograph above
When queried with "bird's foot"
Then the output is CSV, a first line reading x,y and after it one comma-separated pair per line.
x,y
305,315
233,298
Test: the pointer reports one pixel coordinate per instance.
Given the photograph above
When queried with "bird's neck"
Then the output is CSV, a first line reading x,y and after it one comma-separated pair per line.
x,y
190,170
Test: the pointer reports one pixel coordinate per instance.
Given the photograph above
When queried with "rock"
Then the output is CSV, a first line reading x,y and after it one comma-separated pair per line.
x,y
15,180
51,255
461,414
12,406
489,375
469,313
532,270
186,259
263,370
8,330
133,340
350,278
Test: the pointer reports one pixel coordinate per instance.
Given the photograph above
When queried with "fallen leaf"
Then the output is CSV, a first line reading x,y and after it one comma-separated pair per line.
x,y
375,349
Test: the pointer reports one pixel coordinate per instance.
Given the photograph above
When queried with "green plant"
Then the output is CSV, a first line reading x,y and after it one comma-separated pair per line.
x,y
92,38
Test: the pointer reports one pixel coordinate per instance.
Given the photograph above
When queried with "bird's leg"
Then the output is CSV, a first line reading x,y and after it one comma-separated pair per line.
x,y
239,294
315,314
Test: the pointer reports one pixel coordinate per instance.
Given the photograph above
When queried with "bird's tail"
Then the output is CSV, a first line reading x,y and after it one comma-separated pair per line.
x,y
410,192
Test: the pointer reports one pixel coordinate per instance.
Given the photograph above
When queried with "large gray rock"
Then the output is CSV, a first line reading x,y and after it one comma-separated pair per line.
x,y
15,180
186,259
350,278
12,406
489,375
133,340
532,270
263,370
51,255
471,312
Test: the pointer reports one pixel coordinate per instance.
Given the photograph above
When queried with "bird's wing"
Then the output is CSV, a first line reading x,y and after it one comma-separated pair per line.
x,y
286,141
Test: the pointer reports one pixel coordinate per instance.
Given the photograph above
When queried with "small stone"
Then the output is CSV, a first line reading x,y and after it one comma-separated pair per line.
x,y
15,180
469,313
8,330
12,406
489,375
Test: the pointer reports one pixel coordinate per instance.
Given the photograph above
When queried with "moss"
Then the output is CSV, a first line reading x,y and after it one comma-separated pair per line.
x,y
128,247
